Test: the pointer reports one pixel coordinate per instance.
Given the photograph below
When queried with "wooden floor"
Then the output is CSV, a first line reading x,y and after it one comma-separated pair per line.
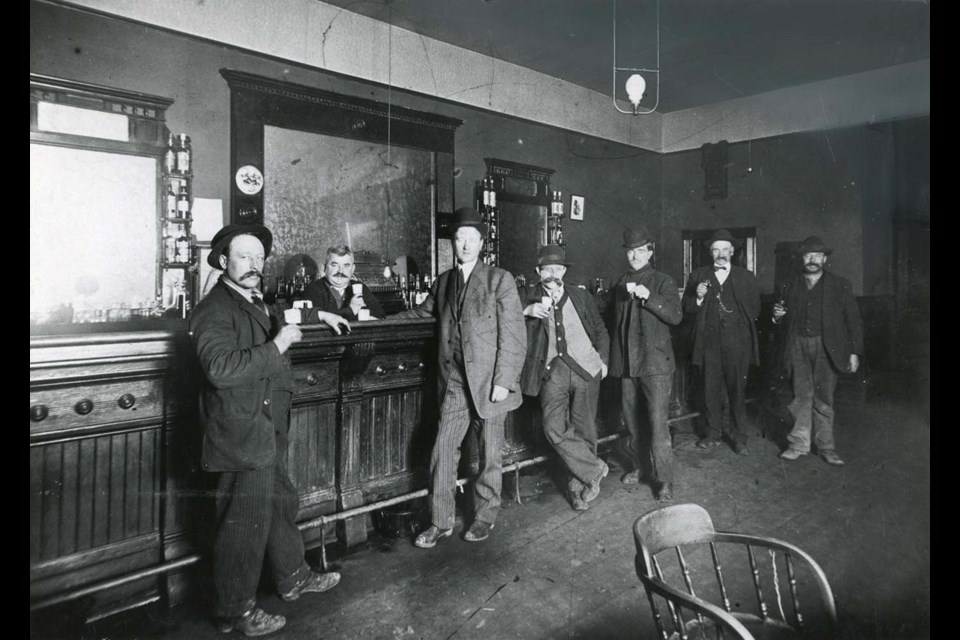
x,y
550,572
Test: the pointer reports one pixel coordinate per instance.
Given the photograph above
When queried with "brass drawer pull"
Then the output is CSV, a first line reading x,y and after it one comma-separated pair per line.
x,y
312,378
380,370
401,367
39,412
127,400
421,366
83,407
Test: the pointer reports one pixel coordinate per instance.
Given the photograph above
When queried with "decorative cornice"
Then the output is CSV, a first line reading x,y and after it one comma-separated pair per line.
x,y
239,80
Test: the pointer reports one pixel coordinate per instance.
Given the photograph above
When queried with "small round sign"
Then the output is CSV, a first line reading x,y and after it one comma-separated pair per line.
x,y
249,179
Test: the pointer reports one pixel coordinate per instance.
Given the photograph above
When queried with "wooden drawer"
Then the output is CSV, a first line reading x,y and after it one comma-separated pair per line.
x,y
393,369
94,404
316,379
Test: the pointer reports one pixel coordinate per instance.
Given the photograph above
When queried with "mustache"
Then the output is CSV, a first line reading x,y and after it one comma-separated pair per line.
x,y
252,272
551,279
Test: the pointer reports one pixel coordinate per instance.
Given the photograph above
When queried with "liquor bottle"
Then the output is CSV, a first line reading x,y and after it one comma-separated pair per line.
x,y
493,194
170,156
171,201
169,245
183,247
183,153
559,230
183,202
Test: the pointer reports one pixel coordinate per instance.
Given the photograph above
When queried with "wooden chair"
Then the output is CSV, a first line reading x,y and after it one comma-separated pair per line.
x,y
689,616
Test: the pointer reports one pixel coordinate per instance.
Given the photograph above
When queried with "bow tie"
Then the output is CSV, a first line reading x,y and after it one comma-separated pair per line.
x,y
721,268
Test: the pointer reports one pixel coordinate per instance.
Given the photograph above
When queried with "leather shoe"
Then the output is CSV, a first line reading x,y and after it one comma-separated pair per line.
x,y
740,449
792,454
665,495
478,531
707,443
576,501
631,478
428,538
316,583
592,490
831,457
255,622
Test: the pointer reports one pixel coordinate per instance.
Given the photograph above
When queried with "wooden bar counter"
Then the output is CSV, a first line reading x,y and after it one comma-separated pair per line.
x,y
115,480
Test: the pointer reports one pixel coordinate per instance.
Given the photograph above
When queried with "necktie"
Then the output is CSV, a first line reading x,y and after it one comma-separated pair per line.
x,y
461,284
258,303
720,268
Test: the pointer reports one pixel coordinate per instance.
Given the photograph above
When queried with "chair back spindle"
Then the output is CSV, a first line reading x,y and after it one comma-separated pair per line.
x,y
755,570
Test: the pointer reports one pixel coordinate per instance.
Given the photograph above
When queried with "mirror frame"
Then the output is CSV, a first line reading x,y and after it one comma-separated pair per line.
x,y
256,101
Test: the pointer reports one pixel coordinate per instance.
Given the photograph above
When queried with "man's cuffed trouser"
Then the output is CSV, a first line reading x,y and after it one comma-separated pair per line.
x,y
814,382
651,445
456,414
569,407
256,517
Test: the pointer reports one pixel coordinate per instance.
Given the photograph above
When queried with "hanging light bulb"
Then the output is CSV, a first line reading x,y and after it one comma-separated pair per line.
x,y
387,272
636,85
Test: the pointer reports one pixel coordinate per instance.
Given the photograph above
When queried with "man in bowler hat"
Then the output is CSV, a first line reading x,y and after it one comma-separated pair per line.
x,y
726,301
480,353
245,415
823,337
567,346
646,305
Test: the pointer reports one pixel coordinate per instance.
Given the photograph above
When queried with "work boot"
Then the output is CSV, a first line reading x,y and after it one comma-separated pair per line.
x,y
792,454
428,539
478,531
830,457
255,622
592,490
316,583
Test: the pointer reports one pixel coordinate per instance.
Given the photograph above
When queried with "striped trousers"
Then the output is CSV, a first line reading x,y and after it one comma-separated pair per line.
x,y
456,414
256,518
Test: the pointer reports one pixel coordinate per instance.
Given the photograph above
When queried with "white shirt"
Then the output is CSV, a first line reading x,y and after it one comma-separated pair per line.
x,y
467,268
722,274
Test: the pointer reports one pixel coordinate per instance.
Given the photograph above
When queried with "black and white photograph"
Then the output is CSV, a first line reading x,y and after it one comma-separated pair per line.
x,y
576,207
323,344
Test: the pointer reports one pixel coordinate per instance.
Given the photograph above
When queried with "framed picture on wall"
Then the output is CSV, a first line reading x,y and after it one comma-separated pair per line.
x,y
576,207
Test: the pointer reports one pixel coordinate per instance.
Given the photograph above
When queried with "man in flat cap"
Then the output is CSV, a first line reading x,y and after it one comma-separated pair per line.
x,y
567,346
823,336
646,304
480,353
245,414
726,301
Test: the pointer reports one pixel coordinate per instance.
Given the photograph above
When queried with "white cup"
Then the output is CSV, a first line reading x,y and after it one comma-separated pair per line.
x,y
631,287
364,314
292,316
546,301
357,289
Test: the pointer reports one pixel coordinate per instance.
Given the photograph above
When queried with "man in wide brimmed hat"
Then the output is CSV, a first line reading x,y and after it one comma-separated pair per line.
x,y
823,336
480,354
726,300
245,414
646,304
567,346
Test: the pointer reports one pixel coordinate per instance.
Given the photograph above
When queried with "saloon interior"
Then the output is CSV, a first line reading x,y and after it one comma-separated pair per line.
x,y
368,123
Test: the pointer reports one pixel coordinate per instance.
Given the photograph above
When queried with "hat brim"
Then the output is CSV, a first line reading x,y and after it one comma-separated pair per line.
x,y
560,262
634,245
824,250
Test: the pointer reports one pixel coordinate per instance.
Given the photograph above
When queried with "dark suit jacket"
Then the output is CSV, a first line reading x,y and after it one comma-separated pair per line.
x,y
641,344
745,291
534,365
242,368
320,294
492,331
842,329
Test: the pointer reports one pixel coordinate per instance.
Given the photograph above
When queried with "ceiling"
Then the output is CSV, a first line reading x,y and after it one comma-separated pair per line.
x,y
710,50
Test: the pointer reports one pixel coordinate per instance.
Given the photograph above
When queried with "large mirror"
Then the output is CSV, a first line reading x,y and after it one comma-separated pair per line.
x,y
340,170
523,198
94,225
